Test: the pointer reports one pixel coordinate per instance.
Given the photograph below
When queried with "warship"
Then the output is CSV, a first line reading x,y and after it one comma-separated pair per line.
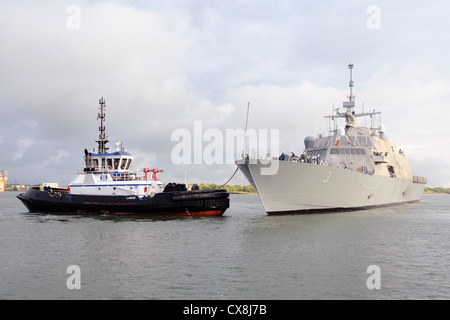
x,y
353,167
107,185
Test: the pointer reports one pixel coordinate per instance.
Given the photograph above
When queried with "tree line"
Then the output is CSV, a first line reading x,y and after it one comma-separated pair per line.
x,y
437,190
229,188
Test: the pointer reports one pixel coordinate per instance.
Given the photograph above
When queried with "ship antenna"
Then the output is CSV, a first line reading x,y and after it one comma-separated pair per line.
x,y
351,97
350,116
245,132
102,138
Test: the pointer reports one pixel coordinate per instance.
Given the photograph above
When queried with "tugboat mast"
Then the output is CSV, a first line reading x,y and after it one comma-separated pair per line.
x,y
102,138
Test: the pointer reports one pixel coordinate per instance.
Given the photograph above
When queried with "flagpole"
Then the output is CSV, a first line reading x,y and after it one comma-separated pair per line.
x,y
245,132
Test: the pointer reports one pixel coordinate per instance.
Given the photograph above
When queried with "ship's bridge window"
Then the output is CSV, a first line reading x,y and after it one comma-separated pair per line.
x,y
94,162
129,163
358,151
103,162
352,151
334,151
316,152
347,151
116,163
109,163
363,151
122,165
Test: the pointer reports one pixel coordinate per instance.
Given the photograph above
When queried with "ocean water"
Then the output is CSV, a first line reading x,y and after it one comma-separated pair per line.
x,y
243,255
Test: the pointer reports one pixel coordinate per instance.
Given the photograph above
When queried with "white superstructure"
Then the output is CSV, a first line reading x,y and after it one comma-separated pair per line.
x,y
109,173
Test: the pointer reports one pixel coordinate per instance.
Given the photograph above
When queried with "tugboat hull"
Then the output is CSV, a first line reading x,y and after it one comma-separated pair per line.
x,y
176,203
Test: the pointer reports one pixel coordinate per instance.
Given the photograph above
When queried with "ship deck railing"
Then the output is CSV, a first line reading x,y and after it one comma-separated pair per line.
x,y
119,175
421,180
303,158
58,191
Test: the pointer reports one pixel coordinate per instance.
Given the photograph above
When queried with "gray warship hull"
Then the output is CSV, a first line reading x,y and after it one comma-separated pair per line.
x,y
299,187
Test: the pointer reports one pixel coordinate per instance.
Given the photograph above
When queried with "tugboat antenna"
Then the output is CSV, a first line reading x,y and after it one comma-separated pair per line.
x,y
102,138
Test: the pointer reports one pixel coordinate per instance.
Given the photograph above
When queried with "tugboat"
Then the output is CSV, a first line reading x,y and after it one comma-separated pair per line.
x,y
354,167
107,186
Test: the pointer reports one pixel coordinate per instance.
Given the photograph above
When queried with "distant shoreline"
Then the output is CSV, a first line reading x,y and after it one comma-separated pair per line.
x,y
437,193
247,189
232,189
436,190
243,193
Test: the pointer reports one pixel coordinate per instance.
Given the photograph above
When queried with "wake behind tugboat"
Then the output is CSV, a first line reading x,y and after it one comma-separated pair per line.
x,y
107,185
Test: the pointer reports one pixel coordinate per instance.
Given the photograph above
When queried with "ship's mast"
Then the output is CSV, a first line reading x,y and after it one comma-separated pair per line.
x,y
351,97
350,115
350,104
102,138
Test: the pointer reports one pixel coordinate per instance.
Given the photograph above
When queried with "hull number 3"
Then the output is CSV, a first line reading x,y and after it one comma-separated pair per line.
x,y
329,173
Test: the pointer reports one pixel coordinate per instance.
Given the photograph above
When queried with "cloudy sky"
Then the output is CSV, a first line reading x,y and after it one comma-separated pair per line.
x,y
166,65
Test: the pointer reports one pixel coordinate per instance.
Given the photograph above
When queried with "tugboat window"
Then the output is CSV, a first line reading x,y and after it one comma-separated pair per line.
x,y
109,161
122,166
116,164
